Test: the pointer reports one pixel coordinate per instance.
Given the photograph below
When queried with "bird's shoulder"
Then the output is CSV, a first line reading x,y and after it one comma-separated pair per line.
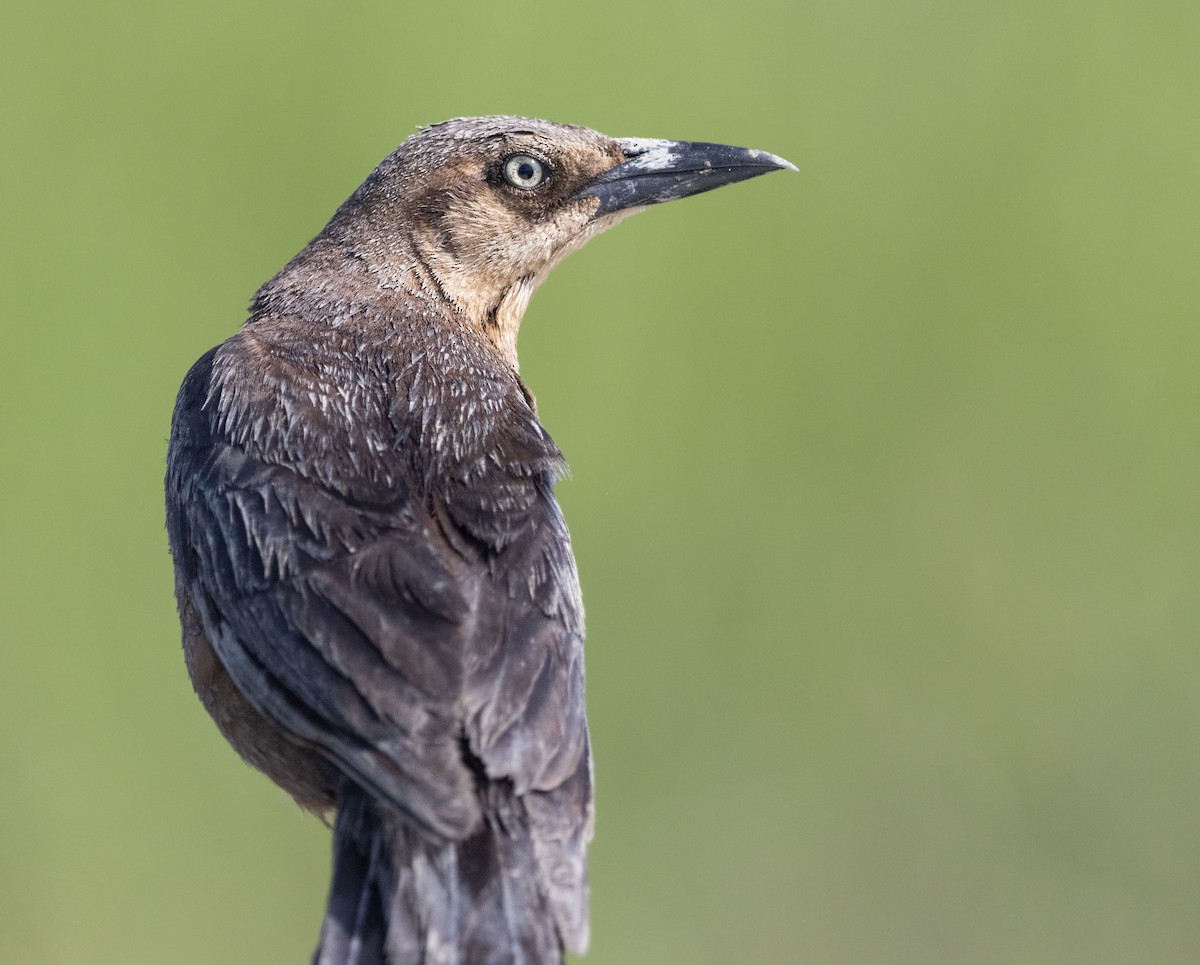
x,y
361,408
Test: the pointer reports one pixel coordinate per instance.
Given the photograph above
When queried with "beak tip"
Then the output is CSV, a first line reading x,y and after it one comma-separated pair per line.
x,y
782,163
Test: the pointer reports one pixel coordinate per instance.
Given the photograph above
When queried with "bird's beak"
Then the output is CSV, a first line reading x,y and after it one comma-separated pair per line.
x,y
659,171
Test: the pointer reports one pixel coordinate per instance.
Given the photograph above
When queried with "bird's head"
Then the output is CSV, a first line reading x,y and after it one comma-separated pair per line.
x,y
487,206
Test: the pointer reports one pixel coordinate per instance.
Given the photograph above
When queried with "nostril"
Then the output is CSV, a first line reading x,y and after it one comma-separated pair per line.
x,y
633,147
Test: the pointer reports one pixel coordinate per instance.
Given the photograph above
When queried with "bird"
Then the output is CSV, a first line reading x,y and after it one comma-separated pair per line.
x,y
378,598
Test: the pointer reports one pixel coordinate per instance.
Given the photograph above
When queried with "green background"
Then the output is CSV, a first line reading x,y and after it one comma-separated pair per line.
x,y
885,489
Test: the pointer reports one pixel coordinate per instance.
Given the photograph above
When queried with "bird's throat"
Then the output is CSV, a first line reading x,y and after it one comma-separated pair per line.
x,y
503,324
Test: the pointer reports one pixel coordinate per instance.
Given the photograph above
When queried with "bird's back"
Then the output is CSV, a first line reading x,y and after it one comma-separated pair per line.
x,y
364,526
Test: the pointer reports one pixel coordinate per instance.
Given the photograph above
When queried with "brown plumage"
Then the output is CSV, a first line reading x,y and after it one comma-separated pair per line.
x,y
379,602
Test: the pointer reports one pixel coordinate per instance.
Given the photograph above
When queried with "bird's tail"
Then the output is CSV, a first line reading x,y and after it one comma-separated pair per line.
x,y
398,898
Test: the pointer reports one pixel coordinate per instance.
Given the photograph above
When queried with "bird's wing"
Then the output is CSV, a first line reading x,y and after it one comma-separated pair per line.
x,y
341,622
527,720
524,690
421,644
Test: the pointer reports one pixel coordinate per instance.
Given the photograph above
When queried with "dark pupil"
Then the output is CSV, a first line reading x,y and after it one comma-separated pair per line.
x,y
525,171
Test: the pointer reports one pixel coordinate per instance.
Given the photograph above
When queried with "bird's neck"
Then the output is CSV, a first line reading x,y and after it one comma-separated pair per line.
x,y
373,282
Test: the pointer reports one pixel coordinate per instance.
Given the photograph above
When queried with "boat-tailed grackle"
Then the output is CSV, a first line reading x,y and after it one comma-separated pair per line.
x,y
379,602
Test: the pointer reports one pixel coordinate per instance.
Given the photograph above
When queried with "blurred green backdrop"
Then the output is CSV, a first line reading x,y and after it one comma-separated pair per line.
x,y
886,488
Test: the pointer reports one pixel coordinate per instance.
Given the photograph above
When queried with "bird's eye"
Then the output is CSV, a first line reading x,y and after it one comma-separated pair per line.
x,y
523,171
